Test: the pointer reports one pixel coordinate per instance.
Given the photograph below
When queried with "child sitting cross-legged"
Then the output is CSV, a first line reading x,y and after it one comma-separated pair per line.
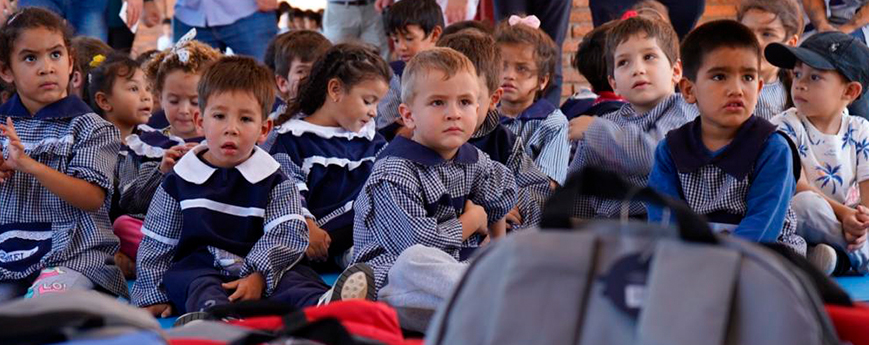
x,y
729,165
226,224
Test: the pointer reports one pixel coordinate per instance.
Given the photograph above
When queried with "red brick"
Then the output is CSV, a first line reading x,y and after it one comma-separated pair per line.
x,y
580,3
719,11
580,29
579,15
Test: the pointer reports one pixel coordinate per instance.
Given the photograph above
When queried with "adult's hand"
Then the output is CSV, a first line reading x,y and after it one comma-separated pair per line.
x,y
134,10
379,5
152,14
5,10
266,5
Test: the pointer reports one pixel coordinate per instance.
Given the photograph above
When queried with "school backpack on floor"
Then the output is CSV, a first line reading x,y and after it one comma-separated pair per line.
x,y
629,282
79,317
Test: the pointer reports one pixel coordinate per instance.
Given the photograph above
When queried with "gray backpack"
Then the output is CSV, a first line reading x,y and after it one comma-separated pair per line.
x,y
629,283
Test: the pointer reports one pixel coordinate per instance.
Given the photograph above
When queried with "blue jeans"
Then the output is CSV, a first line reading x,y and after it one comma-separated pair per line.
x,y
247,36
87,17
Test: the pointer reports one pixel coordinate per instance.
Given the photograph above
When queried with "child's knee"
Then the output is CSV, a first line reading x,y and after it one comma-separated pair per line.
x,y
811,204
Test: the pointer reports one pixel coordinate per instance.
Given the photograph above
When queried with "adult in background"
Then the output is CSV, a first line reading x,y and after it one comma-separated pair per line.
x,y
683,14
245,26
554,18
454,10
88,18
348,20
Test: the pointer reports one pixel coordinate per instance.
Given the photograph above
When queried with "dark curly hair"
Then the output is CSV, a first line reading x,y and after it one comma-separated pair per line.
x,y
350,63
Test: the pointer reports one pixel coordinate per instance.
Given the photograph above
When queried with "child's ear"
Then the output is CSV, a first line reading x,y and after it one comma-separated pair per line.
x,y
76,80
436,33
853,91
496,98
793,40
406,115
612,82
6,73
677,71
198,119
334,90
283,84
544,81
687,88
264,131
103,102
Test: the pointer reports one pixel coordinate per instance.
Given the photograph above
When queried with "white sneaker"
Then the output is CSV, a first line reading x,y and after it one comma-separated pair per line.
x,y
356,282
823,257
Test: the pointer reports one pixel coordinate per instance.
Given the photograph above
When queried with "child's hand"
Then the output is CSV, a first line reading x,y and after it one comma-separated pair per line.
x,y
247,288
513,218
854,242
6,172
498,229
18,160
854,222
473,220
578,126
159,310
172,155
318,242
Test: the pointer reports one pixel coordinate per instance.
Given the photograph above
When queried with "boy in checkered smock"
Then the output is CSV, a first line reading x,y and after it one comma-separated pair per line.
x,y
431,199
56,169
226,224
731,166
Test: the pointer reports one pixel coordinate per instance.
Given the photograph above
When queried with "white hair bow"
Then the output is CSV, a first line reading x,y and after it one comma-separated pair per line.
x,y
178,48
531,21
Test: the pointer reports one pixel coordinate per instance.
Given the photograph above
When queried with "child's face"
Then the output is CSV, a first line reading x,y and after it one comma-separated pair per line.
x,y
233,123
726,87
179,99
768,28
40,67
298,71
130,100
520,79
413,40
443,113
642,74
819,93
358,106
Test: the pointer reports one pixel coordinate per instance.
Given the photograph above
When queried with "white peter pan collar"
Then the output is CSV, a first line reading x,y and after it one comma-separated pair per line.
x,y
255,169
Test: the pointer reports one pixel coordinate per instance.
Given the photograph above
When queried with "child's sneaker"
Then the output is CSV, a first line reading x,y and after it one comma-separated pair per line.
x,y
191,317
356,282
824,257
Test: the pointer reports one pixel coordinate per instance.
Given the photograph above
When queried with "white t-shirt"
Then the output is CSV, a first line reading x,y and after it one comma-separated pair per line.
x,y
834,163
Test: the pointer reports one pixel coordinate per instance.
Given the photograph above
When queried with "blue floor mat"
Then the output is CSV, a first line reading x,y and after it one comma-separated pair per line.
x,y
166,322
856,286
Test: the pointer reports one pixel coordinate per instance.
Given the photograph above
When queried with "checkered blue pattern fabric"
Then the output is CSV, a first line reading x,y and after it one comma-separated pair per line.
x,y
85,147
771,100
545,142
387,108
401,205
624,142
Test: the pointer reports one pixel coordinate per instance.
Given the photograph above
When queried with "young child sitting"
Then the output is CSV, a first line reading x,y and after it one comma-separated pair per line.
x,y
728,165
226,224
529,57
120,94
330,148
55,170
295,54
412,26
433,197
491,136
643,67
831,70
85,49
772,21
590,61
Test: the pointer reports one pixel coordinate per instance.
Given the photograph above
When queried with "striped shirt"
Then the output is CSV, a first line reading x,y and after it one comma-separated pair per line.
x,y
543,128
771,100
624,142
38,229
244,219
416,197
330,164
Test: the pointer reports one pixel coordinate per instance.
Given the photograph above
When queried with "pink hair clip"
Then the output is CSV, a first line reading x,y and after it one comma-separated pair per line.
x,y
531,21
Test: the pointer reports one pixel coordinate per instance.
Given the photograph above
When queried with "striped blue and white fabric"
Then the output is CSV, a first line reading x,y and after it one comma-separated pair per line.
x,y
506,148
37,228
414,196
140,172
330,163
624,142
245,219
771,100
543,128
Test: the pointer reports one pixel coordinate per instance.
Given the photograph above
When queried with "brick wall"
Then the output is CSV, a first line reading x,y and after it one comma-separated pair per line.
x,y
580,24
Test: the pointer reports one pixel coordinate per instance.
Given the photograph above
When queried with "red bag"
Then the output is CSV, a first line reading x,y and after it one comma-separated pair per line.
x,y
851,322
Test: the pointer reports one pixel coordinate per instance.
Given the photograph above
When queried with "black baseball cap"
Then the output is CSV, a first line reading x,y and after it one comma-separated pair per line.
x,y
829,51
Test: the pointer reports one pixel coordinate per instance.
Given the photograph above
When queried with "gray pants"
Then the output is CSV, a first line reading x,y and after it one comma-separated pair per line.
x,y
419,282
50,280
817,223
343,23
